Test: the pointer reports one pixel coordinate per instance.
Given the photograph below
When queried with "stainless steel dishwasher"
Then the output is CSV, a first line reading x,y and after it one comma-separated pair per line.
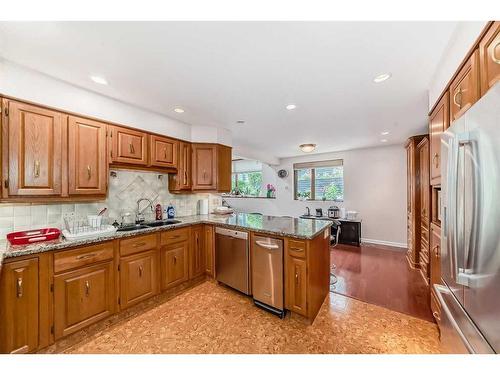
x,y
267,274
232,260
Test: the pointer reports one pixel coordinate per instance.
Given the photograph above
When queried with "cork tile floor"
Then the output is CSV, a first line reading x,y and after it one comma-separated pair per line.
x,y
214,319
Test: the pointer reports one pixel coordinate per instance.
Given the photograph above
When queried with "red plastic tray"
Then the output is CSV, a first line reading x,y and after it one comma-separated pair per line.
x,y
36,235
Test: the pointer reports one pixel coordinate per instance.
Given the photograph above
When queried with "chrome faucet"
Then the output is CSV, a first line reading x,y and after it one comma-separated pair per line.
x,y
308,211
139,216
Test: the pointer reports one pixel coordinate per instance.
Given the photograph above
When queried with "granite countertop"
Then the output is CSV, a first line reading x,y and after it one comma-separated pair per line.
x,y
274,225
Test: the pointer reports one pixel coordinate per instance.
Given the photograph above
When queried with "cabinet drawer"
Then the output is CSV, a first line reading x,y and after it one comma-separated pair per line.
x,y
297,248
70,259
173,236
137,244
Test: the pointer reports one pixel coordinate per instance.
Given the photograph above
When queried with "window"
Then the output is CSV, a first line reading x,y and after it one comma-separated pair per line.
x,y
246,178
322,180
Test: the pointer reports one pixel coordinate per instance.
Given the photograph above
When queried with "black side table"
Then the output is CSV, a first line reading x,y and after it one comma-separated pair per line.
x,y
350,232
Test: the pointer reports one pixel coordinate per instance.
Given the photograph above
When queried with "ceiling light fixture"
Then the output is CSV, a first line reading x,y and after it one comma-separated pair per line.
x,y
99,80
178,110
384,132
382,77
383,140
307,147
291,107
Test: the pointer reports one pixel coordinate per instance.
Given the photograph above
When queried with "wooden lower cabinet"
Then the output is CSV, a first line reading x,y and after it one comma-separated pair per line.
x,y
297,285
83,297
174,264
139,278
435,268
209,245
196,252
19,316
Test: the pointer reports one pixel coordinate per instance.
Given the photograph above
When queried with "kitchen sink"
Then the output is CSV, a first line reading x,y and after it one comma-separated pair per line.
x,y
162,223
130,227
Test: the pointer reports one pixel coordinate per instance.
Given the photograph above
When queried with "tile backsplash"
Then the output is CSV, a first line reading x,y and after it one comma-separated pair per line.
x,y
124,191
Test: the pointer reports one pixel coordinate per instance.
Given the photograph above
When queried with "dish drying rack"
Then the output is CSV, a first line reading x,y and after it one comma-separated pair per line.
x,y
77,227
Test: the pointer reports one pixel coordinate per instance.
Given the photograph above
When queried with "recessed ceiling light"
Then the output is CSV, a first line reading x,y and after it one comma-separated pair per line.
x,y
384,132
382,77
99,80
178,110
307,147
291,107
240,122
383,140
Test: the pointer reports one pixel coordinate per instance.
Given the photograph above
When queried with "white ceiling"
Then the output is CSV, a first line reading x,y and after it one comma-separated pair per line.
x,y
221,72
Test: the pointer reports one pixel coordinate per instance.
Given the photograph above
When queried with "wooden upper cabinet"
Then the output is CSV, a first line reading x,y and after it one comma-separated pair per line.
x,y
211,167
425,188
163,151
87,172
128,146
183,179
34,154
19,306
204,167
438,123
464,89
489,57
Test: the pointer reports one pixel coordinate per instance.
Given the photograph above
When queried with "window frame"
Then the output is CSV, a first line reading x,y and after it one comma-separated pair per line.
x,y
235,174
312,168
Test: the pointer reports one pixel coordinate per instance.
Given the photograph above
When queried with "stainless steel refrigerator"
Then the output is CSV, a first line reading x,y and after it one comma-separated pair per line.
x,y
470,240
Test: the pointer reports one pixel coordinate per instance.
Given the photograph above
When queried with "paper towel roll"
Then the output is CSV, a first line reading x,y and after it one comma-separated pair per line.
x,y
203,206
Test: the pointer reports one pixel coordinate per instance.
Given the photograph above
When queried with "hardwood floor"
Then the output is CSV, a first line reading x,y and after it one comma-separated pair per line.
x,y
380,275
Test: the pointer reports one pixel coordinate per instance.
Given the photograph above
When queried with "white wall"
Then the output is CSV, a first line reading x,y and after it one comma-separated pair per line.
x,y
211,134
27,84
462,40
375,186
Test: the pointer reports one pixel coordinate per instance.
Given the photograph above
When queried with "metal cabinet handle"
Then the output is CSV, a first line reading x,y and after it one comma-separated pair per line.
x,y
298,249
19,287
435,249
175,259
89,172
185,178
140,244
36,168
141,269
267,245
131,148
458,101
165,153
436,158
494,54
296,278
87,288
435,315
85,256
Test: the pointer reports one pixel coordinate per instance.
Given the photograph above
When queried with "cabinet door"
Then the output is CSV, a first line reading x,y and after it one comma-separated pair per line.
x,y
19,306
186,157
196,252
128,146
174,264
464,90
36,150
204,167
83,297
163,151
296,285
435,254
224,168
138,278
208,243
88,166
489,56
424,182
438,123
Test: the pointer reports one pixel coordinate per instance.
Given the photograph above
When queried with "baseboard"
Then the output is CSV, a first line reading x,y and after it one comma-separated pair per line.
x,y
387,243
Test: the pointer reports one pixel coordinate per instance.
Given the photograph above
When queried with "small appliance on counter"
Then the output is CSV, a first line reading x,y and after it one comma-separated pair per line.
x,y
223,210
334,212
319,212
32,236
